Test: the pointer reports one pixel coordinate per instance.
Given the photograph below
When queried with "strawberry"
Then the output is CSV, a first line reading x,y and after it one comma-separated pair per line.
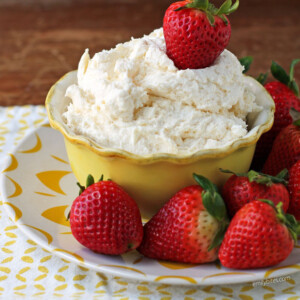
x,y
105,219
259,235
196,32
286,148
241,189
189,227
285,93
294,189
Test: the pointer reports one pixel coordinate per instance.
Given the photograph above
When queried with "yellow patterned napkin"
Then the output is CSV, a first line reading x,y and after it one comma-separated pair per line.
x,y
28,271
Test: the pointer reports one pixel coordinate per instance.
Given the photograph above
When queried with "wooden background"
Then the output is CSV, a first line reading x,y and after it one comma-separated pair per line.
x,y
40,40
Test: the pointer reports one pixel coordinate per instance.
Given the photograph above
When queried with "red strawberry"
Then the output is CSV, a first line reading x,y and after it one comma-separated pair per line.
x,y
294,189
285,151
196,32
241,189
105,219
285,93
189,227
259,235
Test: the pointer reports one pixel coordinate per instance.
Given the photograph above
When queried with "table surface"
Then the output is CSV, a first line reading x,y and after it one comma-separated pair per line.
x,y
42,40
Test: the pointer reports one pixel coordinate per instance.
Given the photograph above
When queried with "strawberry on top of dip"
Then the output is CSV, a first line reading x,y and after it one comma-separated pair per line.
x,y
134,98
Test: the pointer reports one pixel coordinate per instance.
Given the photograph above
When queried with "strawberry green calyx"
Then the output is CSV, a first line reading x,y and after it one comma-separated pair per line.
x,y
262,78
295,114
89,181
287,219
262,178
288,79
246,62
211,11
214,204
130,246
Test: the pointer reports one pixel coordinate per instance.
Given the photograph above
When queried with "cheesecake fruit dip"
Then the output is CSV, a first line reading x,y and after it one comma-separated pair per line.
x,y
134,98
131,114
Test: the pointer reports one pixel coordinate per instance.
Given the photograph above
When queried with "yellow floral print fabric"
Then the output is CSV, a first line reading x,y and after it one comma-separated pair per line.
x,y
30,272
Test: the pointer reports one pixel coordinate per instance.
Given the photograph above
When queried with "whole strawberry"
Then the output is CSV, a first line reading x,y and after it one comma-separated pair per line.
x,y
196,32
105,219
241,189
189,227
294,189
285,93
286,149
259,235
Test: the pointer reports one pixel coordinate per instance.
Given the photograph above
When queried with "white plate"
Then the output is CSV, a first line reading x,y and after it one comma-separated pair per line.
x,y
38,187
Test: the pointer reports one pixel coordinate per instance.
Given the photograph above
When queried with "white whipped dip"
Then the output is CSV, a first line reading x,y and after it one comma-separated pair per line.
x,y
133,98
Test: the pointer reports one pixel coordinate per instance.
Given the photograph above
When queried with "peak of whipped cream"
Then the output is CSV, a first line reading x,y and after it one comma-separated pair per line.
x,y
132,97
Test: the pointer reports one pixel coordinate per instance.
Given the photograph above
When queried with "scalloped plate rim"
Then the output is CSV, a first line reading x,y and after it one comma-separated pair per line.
x,y
214,280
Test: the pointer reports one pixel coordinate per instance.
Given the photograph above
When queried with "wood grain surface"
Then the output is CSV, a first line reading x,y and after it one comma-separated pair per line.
x,y
42,40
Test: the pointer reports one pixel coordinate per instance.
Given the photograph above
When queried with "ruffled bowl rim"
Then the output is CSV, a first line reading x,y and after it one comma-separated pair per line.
x,y
55,97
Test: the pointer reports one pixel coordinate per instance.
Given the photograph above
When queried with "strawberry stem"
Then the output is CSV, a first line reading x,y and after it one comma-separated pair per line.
x,y
217,241
262,78
246,63
89,180
288,79
295,114
281,175
292,84
81,188
69,215
287,219
130,246
214,204
268,201
227,8
261,177
210,10
298,229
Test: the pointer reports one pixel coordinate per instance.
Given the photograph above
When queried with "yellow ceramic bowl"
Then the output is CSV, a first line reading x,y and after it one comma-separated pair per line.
x,y
151,180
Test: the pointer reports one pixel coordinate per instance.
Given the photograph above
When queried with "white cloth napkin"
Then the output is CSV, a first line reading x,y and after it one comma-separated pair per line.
x,y
28,271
